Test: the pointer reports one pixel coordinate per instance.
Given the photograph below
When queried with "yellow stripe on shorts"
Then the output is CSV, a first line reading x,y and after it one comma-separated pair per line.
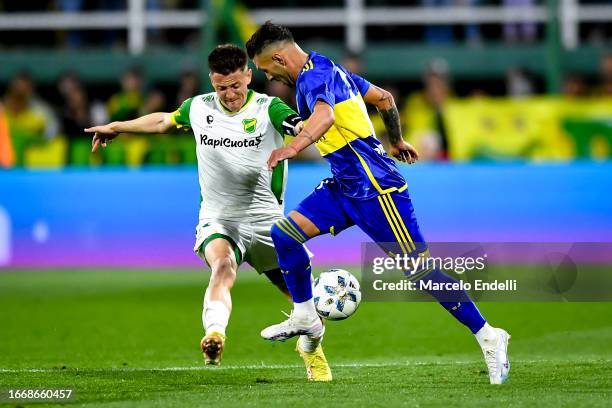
x,y
399,239
400,220
397,224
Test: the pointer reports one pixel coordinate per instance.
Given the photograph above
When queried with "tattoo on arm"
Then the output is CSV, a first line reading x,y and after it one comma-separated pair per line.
x,y
385,99
307,135
302,141
391,120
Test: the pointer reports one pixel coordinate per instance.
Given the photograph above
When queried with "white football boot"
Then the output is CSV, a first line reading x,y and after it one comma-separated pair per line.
x,y
292,327
496,356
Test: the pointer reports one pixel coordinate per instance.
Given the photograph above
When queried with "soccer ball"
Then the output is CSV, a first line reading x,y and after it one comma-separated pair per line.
x,y
336,294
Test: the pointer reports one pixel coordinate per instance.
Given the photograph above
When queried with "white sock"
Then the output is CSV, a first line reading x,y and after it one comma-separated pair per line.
x,y
309,344
486,336
305,310
215,316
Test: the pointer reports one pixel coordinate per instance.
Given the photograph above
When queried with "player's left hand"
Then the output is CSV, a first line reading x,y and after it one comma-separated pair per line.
x,y
404,152
281,154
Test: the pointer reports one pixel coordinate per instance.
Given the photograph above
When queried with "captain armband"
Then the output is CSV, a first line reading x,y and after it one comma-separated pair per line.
x,y
290,123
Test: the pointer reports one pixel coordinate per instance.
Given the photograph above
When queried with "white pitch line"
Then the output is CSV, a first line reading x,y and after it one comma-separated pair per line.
x,y
276,366
229,367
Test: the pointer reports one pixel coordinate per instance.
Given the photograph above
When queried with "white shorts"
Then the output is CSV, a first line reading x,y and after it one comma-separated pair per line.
x,y
251,240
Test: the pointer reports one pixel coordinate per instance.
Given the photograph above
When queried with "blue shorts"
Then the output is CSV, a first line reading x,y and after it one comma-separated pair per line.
x,y
388,218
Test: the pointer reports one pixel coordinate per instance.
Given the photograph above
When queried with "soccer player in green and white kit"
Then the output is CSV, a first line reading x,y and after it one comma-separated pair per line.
x,y
236,130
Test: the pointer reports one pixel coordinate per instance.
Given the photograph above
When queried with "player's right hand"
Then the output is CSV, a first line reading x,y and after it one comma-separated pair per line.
x,y
281,154
404,152
103,135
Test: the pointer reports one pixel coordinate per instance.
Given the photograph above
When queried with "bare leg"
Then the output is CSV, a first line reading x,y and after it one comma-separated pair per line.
x,y
217,299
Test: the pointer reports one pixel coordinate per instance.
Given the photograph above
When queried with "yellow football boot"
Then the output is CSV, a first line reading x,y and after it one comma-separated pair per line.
x,y
317,368
212,346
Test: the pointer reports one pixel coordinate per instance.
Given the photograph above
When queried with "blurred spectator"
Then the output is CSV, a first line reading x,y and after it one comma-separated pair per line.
x,y
437,90
597,33
99,114
67,82
76,114
155,102
424,113
352,62
112,37
74,38
7,154
154,34
471,31
605,72
523,30
275,88
26,122
126,104
518,83
478,93
443,33
438,34
574,86
189,86
39,105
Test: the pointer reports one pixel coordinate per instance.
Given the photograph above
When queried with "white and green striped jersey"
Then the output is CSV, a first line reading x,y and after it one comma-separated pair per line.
x,y
233,149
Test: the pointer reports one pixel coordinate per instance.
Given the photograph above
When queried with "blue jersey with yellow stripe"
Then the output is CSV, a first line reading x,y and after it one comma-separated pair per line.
x,y
358,160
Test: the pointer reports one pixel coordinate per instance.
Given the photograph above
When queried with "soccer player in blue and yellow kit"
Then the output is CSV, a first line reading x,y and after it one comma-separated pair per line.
x,y
366,189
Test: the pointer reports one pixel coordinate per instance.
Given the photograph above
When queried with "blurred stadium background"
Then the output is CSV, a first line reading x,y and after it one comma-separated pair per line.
x,y
509,103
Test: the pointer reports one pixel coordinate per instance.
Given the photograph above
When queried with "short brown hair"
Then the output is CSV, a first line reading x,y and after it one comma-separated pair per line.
x,y
227,58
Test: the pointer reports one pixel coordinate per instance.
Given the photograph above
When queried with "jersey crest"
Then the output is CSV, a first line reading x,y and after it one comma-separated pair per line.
x,y
249,125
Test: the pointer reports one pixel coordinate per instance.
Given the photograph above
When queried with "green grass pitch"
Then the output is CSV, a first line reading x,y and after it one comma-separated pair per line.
x,y
131,338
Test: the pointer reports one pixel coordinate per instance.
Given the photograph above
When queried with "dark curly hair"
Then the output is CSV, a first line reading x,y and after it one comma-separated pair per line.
x,y
268,33
226,58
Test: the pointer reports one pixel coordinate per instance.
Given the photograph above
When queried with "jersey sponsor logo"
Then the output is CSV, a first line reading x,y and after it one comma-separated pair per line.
x,y
209,119
249,125
206,140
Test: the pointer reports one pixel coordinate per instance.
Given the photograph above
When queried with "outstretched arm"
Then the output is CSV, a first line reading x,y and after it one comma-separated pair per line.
x,y
320,121
158,122
383,100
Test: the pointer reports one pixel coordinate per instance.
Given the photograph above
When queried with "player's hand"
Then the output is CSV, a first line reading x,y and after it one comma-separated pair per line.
x,y
404,152
281,154
103,135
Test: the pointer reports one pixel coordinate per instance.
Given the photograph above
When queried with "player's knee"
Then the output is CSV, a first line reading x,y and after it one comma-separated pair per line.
x,y
224,269
284,237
